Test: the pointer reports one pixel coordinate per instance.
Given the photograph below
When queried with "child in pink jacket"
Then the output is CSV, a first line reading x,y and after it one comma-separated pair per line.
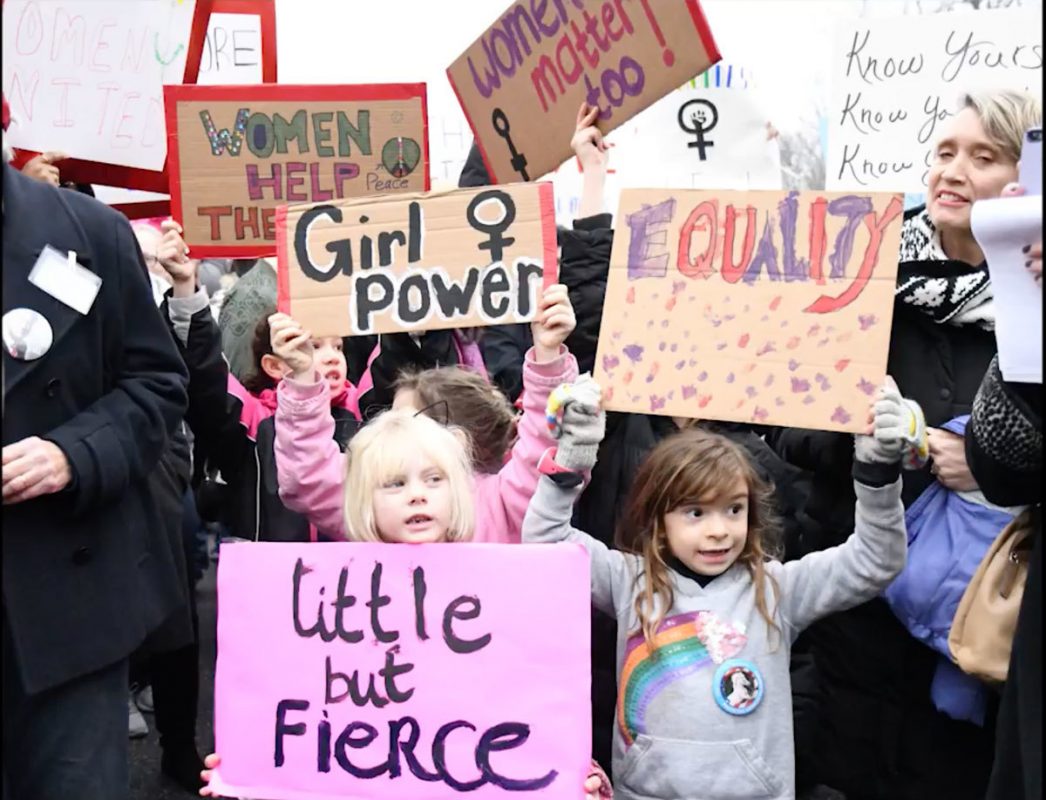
x,y
311,470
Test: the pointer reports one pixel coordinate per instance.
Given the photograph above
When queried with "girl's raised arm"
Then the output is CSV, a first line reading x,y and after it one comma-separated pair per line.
x,y
548,517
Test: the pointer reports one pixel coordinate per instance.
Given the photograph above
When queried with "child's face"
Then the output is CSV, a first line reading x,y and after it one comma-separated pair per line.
x,y
709,536
414,506
329,361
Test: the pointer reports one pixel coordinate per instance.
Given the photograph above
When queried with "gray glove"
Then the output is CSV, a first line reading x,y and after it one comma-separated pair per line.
x,y
583,425
898,429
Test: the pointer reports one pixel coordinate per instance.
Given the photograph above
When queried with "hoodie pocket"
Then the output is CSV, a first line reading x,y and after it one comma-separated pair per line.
x,y
687,770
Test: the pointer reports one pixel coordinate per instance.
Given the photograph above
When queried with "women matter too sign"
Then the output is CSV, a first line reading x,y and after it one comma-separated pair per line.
x,y
402,672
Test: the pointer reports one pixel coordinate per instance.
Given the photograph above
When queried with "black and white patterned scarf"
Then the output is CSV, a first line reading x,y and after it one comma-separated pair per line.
x,y
948,291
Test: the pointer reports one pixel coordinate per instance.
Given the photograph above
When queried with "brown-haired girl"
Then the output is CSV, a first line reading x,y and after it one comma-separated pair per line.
x,y
706,619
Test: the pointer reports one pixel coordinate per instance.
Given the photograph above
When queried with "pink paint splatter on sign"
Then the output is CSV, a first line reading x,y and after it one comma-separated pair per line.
x,y
842,364
634,352
610,362
704,400
800,385
743,341
721,346
631,296
866,321
656,403
866,386
750,391
689,391
680,364
703,376
793,365
760,414
730,378
808,400
769,380
775,303
841,416
793,343
766,348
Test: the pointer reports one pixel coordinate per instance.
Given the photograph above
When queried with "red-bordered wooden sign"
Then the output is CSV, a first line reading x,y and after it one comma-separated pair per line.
x,y
235,153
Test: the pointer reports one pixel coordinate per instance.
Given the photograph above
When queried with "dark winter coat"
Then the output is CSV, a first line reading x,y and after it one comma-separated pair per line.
x,y
86,572
1004,452
877,733
235,432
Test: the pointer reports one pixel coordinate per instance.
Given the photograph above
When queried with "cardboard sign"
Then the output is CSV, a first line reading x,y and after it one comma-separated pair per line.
x,y
762,307
520,83
896,81
87,79
402,671
238,152
460,259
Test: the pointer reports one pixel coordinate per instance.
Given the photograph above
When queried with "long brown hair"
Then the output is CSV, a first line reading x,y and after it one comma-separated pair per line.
x,y
456,396
261,345
692,466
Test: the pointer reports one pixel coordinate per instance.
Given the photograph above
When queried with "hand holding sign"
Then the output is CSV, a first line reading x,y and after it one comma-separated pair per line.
x,y
42,167
588,143
291,343
554,323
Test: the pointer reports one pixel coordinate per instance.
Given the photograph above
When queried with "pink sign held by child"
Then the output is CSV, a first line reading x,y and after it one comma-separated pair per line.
x,y
365,670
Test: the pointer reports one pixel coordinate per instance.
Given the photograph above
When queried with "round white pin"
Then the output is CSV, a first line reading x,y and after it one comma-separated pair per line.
x,y
27,334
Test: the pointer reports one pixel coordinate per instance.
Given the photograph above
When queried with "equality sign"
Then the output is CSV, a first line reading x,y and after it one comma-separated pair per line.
x,y
402,672
895,82
458,259
520,83
765,307
238,152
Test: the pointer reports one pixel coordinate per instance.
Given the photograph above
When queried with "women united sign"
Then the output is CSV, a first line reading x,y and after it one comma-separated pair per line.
x,y
239,152
395,672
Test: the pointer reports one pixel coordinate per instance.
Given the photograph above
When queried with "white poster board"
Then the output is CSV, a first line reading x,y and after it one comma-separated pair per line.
x,y
86,78
231,51
894,81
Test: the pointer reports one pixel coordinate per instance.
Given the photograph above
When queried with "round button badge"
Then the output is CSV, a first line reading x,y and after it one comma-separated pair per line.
x,y
27,334
737,687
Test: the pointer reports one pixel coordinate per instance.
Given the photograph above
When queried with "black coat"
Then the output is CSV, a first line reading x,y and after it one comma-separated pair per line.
x,y
249,502
583,264
86,572
1004,451
877,732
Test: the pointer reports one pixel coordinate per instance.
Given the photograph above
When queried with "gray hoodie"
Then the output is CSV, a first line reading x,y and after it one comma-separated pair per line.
x,y
708,715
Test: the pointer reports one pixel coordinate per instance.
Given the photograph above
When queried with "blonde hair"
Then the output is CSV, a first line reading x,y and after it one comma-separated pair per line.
x,y
1005,114
380,451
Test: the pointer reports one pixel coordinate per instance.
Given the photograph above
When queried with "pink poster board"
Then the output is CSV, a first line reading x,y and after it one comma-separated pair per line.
x,y
473,657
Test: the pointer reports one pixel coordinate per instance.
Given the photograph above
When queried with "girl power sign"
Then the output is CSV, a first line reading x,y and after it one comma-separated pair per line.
x,y
402,672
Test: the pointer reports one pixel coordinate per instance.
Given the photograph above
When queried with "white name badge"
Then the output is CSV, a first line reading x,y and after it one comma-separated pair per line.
x,y
65,280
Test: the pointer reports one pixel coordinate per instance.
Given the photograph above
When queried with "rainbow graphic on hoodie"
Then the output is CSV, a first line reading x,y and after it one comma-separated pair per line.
x,y
684,644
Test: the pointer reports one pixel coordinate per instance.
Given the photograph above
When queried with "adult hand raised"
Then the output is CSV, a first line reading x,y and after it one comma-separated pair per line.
x,y
42,167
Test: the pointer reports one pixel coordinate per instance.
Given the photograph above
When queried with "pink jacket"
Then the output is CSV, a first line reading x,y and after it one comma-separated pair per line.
x,y
310,469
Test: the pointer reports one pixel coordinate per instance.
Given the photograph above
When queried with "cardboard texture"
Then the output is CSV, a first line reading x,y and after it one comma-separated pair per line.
x,y
520,83
238,152
457,259
308,696
764,307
